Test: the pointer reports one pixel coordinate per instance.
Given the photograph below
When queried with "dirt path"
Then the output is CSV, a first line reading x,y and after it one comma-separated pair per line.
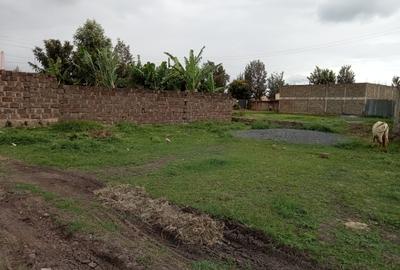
x,y
34,231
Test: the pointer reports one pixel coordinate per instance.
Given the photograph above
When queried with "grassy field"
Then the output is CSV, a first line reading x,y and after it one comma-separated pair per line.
x,y
285,190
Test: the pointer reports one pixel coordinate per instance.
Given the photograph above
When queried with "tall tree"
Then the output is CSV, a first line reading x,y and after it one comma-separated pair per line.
x,y
54,59
275,82
221,78
216,80
396,119
256,77
239,89
322,76
125,62
346,75
89,39
191,72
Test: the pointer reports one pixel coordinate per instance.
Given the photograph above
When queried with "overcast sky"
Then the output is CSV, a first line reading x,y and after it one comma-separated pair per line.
x,y
290,36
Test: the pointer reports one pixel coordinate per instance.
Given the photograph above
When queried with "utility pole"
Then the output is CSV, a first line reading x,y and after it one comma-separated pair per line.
x,y
2,61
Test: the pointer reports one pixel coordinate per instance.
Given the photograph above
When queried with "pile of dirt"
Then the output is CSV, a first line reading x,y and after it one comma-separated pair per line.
x,y
189,228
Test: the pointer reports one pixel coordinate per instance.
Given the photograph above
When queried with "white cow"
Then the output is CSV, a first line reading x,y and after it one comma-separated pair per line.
x,y
380,133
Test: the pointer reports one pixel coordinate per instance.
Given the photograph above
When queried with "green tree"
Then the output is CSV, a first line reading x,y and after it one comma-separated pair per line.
x,y
54,59
396,119
125,62
154,77
221,78
274,83
89,39
239,89
346,75
191,72
256,77
322,76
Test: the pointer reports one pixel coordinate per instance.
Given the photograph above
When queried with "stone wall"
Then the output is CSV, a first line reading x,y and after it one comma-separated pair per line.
x,y
332,99
27,98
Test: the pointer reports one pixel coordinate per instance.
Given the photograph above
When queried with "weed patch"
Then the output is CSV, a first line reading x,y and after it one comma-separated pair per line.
x,y
76,126
12,137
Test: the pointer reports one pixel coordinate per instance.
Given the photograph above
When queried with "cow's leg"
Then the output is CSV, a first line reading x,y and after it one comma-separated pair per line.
x,y
385,139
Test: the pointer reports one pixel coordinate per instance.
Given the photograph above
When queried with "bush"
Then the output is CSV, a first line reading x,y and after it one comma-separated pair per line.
x,y
76,126
127,127
318,127
261,125
86,146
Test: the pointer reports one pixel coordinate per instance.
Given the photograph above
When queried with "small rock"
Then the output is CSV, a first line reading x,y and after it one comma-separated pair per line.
x,y
167,140
85,261
13,144
46,215
92,265
356,225
32,256
324,155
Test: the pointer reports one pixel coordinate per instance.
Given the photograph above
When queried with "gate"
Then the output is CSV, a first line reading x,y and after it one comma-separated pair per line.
x,y
379,107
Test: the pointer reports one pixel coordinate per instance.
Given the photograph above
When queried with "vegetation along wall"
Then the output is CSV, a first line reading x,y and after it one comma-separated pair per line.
x,y
28,98
335,99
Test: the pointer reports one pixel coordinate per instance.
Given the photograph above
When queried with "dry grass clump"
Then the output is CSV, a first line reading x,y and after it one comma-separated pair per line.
x,y
187,227
101,134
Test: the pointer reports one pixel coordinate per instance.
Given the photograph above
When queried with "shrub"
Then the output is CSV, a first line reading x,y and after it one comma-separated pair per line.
x,y
318,127
76,126
127,127
260,125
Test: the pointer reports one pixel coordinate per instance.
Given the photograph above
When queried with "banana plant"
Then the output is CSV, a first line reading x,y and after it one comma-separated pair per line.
x,y
104,67
191,72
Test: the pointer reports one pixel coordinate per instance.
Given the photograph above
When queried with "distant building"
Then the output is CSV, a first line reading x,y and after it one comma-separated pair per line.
x,y
363,99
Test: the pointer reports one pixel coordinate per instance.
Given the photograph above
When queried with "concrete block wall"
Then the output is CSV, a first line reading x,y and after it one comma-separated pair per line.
x,y
332,99
27,98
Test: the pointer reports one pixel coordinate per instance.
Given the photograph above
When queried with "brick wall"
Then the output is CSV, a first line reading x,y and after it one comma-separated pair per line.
x,y
271,105
27,98
331,99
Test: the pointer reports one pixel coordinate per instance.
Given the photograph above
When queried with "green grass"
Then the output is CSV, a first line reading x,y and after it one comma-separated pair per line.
x,y
285,190
209,265
310,122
